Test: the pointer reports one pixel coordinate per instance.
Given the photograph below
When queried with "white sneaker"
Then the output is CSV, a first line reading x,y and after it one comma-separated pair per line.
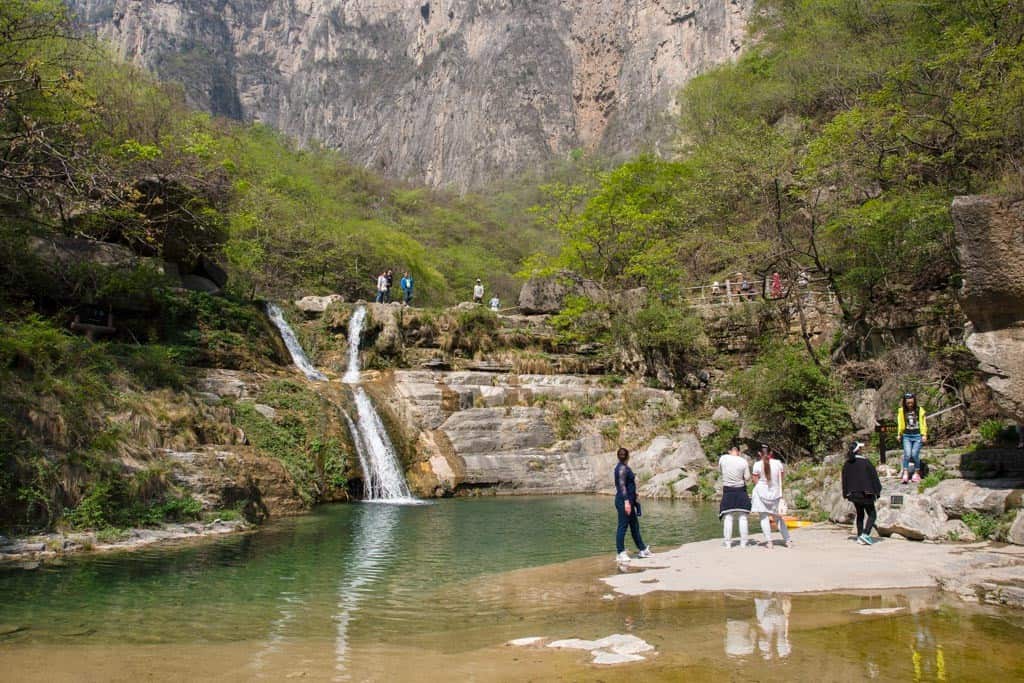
x,y
646,552
727,544
622,557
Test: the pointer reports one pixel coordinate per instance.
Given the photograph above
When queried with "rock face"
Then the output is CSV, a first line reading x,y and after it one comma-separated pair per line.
x,y
507,433
450,92
990,244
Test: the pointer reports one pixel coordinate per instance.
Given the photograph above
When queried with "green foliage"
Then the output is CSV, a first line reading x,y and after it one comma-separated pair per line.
x,y
992,432
800,501
987,526
791,400
722,440
932,480
302,436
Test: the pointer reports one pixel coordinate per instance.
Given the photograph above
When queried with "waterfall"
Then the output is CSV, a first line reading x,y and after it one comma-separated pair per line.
x,y
294,348
383,477
355,329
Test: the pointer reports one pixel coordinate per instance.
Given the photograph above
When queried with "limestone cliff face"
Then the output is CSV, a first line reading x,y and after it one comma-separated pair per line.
x,y
448,92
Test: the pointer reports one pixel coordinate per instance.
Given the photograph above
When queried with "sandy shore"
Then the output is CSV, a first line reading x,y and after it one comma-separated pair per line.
x,y
825,558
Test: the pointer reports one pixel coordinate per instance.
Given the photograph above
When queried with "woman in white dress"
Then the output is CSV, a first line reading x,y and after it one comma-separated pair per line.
x,y
767,475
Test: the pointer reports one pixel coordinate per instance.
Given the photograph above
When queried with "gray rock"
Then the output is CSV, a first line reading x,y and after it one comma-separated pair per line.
x,y
865,405
314,306
956,530
706,428
1016,533
661,485
920,518
723,414
543,295
265,410
989,496
990,245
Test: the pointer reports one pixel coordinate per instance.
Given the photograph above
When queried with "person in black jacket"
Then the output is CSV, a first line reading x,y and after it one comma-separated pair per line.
x,y
628,509
862,488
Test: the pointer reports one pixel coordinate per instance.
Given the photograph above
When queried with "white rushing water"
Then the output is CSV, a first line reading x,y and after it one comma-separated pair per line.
x,y
294,348
383,480
355,330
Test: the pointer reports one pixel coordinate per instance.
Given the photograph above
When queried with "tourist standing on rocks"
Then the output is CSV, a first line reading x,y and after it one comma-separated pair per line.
x,y
767,496
478,292
912,431
628,508
382,287
406,285
862,488
495,303
735,501
390,278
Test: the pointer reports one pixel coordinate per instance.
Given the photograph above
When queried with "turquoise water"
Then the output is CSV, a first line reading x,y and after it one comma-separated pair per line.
x,y
430,592
299,576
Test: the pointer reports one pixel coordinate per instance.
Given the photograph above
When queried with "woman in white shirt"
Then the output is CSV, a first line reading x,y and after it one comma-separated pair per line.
x,y
767,495
735,505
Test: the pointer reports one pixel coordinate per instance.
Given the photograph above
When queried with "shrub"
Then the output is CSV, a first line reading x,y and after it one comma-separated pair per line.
x,y
932,480
718,443
982,524
791,399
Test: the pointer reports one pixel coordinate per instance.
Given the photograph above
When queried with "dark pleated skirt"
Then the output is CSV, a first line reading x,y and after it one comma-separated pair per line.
x,y
734,499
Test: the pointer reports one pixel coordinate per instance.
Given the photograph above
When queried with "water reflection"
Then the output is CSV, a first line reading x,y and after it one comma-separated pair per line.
x,y
767,632
372,547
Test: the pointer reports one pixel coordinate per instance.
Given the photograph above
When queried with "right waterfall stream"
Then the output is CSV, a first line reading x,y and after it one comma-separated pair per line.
x,y
383,478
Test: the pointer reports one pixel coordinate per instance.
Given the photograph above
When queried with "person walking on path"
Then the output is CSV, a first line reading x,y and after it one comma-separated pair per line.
x,y
382,287
862,488
628,508
406,284
478,292
735,504
912,432
767,495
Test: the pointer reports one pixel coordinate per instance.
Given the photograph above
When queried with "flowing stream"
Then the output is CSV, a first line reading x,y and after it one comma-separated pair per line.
x,y
383,478
294,347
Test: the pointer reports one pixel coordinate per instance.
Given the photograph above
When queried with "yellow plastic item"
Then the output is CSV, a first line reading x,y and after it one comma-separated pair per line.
x,y
792,523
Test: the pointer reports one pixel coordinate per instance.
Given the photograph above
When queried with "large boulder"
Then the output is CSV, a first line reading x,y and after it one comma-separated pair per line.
x,y
990,496
864,411
990,246
547,294
919,518
314,306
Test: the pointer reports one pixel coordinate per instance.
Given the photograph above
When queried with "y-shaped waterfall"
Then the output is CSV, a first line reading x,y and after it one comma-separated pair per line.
x,y
294,347
383,477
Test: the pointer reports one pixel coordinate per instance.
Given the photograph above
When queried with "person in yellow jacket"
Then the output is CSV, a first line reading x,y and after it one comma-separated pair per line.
x,y
912,431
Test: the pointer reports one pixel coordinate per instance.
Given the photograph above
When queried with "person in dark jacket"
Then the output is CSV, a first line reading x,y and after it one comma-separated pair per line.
x,y
862,488
628,509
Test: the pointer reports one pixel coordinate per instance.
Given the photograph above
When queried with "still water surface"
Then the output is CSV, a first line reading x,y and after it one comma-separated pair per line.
x,y
378,592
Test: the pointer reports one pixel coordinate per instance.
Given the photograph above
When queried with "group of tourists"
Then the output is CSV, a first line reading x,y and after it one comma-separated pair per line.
x,y
740,288
860,484
385,281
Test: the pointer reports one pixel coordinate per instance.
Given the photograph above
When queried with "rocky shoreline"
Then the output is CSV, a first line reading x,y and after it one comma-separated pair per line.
x,y
30,552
